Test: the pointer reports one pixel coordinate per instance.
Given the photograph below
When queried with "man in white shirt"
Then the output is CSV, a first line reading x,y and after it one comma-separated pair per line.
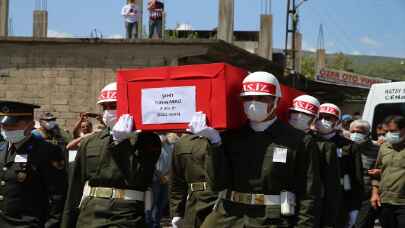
x,y
131,13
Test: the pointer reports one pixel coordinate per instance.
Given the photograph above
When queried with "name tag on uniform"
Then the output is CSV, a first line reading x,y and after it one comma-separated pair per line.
x,y
21,158
280,155
72,155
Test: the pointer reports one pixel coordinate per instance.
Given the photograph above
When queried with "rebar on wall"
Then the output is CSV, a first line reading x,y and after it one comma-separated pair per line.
x,y
265,7
41,4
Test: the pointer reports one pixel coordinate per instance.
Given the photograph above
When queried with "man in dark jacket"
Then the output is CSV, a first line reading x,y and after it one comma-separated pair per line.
x,y
266,171
360,134
33,179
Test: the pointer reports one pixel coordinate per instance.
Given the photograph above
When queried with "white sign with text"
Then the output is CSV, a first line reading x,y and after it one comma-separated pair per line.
x,y
168,105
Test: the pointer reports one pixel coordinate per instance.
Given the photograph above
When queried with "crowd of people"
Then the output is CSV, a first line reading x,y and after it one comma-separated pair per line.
x,y
319,169
132,14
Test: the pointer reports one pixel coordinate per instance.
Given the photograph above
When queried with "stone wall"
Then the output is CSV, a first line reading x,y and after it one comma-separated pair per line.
x,y
65,76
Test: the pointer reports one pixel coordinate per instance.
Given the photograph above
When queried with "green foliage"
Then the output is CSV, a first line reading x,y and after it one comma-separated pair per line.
x,y
340,62
393,70
308,66
373,66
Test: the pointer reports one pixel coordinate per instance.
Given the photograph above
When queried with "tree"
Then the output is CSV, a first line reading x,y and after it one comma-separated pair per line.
x,y
340,62
308,66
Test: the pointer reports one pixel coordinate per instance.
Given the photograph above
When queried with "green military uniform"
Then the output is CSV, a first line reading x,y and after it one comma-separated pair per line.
x,y
56,137
110,169
350,165
391,183
330,176
189,195
255,167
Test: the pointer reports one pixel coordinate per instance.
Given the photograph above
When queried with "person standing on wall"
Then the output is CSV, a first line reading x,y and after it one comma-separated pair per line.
x,y
131,14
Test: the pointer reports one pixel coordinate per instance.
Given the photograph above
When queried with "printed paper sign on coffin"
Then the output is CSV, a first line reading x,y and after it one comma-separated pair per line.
x,y
165,98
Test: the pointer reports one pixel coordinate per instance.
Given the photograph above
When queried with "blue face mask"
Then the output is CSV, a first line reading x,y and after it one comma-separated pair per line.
x,y
357,137
393,137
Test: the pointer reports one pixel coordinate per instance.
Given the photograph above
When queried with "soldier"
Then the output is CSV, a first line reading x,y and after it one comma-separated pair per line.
x,y
51,132
112,172
190,199
33,180
349,156
303,114
267,170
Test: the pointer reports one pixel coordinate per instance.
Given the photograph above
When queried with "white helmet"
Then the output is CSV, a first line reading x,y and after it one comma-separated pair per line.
x,y
108,93
260,83
330,109
306,104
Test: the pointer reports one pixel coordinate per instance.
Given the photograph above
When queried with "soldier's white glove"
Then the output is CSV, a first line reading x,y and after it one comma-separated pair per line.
x,y
198,126
123,128
352,218
177,222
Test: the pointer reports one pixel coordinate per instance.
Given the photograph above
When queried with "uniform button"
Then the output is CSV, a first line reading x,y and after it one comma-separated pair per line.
x,y
1,197
2,183
4,168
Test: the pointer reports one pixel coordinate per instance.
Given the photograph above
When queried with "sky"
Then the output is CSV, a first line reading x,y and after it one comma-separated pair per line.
x,y
366,27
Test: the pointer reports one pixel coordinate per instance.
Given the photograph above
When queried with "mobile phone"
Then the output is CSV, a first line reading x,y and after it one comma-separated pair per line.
x,y
92,115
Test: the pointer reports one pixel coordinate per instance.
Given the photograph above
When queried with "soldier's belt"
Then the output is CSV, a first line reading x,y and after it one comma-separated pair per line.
x,y
115,193
252,199
198,186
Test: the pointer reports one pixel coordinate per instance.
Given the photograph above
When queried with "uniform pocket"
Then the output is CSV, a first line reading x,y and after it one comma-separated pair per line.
x,y
92,159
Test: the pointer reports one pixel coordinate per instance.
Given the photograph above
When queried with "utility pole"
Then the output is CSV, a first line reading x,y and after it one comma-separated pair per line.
x,y
291,35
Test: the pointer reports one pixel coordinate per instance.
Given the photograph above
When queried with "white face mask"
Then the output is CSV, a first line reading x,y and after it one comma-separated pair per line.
x,y
109,118
13,136
357,137
48,125
256,111
324,126
300,121
392,137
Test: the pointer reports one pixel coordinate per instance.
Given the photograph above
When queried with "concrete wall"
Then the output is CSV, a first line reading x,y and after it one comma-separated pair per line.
x,y
65,76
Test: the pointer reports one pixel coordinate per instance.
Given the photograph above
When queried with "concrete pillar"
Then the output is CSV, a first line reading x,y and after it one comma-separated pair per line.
x,y
40,29
265,49
4,7
140,18
298,51
226,20
320,59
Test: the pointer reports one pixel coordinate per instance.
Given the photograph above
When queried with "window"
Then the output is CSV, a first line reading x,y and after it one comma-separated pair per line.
x,y
382,111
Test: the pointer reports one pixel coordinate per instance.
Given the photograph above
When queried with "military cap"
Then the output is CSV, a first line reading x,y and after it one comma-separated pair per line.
x,y
47,116
11,111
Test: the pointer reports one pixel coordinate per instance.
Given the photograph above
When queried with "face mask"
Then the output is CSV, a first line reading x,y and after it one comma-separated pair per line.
x,y
109,118
50,125
256,111
300,121
393,137
357,137
324,126
13,136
